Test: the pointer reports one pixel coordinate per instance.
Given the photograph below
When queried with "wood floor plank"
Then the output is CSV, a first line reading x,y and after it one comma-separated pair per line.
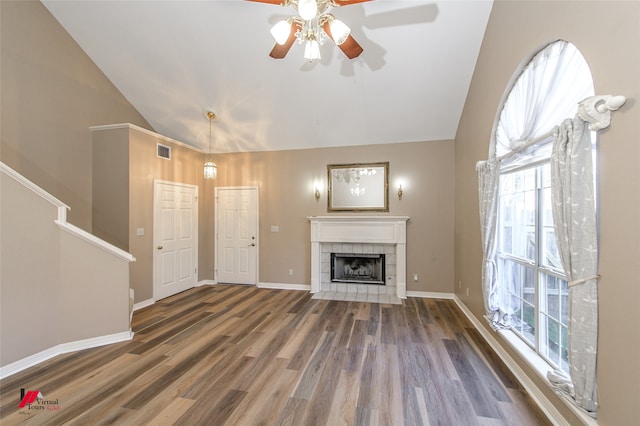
x,y
487,376
374,319
356,346
506,377
173,412
391,406
311,375
298,337
293,412
481,401
369,379
345,398
267,406
242,355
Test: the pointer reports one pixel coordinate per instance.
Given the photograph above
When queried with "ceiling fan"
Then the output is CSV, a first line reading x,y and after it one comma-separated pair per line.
x,y
312,25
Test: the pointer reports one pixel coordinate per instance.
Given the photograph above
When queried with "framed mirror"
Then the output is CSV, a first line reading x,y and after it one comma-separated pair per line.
x,y
358,187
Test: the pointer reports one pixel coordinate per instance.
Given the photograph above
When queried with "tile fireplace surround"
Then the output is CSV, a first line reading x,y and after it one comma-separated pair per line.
x,y
364,234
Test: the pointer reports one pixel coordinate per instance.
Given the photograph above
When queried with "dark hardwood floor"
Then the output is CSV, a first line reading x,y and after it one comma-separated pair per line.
x,y
240,355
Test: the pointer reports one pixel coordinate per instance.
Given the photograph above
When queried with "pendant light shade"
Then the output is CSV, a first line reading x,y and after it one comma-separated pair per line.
x,y
210,168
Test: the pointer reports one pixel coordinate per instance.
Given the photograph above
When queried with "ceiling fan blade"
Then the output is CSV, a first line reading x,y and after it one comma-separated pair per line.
x,y
279,51
267,1
350,47
348,2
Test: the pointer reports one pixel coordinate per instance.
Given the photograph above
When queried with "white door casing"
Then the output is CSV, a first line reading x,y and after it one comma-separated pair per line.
x,y
175,236
237,235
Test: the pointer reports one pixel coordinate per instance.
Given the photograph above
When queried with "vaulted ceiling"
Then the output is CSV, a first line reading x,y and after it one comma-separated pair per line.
x,y
173,60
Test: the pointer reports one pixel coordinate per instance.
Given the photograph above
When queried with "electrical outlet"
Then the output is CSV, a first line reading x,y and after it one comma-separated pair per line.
x,y
291,272
460,284
467,291
415,277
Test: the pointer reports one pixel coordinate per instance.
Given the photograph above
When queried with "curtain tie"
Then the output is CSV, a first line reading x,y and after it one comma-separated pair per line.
x,y
584,280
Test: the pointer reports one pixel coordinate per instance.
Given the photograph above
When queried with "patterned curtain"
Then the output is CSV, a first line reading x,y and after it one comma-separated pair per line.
x,y
488,179
574,217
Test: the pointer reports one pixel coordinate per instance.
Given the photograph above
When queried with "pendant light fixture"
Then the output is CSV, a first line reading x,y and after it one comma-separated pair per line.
x,y
210,168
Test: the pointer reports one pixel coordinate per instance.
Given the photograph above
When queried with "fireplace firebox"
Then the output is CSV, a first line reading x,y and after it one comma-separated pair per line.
x,y
357,268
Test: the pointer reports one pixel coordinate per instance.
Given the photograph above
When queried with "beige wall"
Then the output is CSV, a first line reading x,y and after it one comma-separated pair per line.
x,y
608,35
185,166
56,288
125,167
51,94
29,273
110,186
94,291
286,181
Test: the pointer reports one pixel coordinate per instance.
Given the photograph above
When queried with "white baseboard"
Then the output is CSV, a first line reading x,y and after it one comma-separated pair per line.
x,y
63,348
143,304
206,282
284,286
534,391
430,295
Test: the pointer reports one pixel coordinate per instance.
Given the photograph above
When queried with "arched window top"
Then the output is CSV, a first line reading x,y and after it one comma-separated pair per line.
x,y
547,91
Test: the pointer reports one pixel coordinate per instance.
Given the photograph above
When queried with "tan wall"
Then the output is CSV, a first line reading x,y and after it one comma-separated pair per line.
x,y
29,273
110,185
608,35
56,288
185,166
94,291
125,167
286,182
51,94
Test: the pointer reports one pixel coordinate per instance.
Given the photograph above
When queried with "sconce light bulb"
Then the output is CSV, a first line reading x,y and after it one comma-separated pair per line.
x,y
400,192
317,194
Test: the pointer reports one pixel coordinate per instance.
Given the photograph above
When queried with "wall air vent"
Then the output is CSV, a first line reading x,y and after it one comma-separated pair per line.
x,y
163,151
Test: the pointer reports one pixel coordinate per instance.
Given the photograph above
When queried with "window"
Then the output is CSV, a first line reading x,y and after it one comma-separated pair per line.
x,y
528,264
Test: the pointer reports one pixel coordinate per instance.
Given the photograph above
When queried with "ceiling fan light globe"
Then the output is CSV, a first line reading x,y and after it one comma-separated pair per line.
x,y
281,31
339,31
307,9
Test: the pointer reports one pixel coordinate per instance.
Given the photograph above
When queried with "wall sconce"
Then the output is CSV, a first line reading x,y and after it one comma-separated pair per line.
x,y
400,192
316,193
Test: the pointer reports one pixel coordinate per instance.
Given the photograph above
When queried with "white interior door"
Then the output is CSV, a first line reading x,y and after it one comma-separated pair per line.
x,y
175,236
237,235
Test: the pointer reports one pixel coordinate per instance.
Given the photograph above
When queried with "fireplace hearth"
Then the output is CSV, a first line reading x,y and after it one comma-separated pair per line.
x,y
357,268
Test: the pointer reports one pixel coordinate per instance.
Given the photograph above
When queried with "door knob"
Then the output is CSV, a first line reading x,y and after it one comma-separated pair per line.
x,y
252,245
159,247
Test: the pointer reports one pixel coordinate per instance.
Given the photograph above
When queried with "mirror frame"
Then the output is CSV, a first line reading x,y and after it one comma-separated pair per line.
x,y
381,189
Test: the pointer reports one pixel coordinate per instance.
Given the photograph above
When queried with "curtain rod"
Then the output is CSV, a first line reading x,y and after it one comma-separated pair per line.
x,y
595,110
527,145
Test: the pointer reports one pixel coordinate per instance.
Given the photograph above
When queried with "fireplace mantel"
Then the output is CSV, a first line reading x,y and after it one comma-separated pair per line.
x,y
360,229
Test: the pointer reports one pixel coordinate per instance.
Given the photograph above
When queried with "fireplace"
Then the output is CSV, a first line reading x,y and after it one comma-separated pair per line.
x,y
357,268
354,235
